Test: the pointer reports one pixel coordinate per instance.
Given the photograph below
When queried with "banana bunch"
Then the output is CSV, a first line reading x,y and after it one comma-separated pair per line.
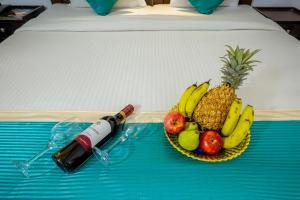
x,y
236,127
191,97
232,117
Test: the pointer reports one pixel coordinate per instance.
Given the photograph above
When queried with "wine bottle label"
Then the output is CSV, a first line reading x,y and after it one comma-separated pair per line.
x,y
95,133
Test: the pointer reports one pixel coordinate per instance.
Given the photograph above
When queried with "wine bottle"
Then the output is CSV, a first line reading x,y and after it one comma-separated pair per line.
x,y
74,154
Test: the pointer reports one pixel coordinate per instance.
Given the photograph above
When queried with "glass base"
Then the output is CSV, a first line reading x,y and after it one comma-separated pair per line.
x,y
22,166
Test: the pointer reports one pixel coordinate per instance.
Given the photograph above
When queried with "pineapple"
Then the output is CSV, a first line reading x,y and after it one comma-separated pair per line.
x,y
212,110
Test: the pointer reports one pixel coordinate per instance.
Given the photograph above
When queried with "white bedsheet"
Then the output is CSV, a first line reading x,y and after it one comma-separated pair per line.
x,y
71,60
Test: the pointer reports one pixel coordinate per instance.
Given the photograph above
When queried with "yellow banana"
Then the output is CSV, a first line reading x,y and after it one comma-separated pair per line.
x,y
241,129
248,114
232,117
195,98
237,136
184,98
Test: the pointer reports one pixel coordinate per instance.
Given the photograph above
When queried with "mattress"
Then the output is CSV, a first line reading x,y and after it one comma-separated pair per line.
x,y
69,59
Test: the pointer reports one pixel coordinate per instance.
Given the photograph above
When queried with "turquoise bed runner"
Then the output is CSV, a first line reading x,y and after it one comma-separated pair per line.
x,y
152,169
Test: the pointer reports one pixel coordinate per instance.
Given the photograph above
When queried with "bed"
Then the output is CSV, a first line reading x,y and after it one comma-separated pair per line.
x,y
71,62
85,55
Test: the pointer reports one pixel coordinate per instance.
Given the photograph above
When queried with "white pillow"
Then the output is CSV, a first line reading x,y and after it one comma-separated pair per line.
x,y
130,3
119,4
230,3
79,3
186,3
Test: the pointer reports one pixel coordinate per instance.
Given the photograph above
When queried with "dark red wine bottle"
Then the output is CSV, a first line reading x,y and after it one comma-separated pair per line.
x,y
74,154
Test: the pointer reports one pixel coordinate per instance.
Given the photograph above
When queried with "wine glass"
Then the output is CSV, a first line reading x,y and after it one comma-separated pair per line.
x,y
61,133
132,131
103,153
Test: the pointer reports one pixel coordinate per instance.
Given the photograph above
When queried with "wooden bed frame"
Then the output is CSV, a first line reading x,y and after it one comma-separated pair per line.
x,y
154,2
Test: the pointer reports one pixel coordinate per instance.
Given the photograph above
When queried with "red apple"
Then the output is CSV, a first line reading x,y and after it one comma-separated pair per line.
x,y
211,142
174,122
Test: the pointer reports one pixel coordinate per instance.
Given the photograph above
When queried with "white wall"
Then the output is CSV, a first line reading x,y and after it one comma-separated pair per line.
x,y
276,3
296,3
27,2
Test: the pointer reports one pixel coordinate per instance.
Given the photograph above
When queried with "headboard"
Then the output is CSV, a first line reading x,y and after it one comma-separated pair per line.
x,y
154,2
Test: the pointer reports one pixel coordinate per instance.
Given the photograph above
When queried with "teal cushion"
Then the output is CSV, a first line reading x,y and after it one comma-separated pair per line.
x,y
206,6
102,7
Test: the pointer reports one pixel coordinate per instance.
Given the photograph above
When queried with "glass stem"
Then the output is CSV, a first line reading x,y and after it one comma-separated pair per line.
x,y
39,154
121,139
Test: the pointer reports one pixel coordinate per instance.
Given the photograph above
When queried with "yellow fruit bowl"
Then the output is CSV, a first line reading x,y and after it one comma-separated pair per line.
x,y
223,155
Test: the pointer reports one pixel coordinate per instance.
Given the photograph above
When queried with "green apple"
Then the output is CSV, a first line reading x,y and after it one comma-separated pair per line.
x,y
191,126
189,139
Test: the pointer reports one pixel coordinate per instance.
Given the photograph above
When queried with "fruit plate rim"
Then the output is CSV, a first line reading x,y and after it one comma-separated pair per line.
x,y
232,153
213,158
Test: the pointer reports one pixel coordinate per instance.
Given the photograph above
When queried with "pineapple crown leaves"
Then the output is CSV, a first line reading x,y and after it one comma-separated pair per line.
x,y
237,63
